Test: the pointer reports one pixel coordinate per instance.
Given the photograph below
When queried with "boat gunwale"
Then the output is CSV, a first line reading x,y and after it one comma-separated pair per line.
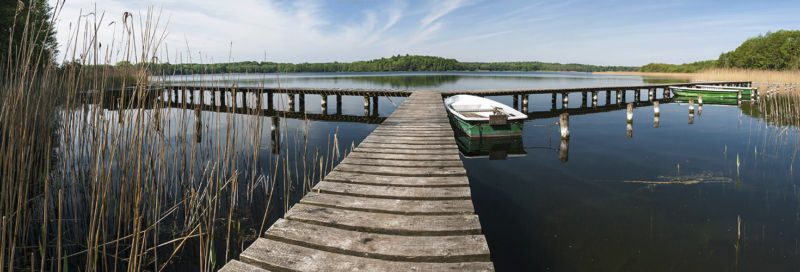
x,y
517,114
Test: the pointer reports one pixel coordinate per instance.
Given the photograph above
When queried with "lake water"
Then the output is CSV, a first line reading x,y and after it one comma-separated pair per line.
x,y
719,194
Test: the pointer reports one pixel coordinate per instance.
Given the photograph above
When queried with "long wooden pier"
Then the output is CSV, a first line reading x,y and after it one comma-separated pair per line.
x,y
399,202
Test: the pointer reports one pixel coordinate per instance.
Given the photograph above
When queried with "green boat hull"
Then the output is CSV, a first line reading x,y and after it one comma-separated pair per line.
x,y
482,129
690,92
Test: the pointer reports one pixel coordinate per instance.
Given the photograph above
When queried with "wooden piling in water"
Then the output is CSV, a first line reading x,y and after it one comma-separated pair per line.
x,y
691,106
564,124
338,104
637,95
629,130
515,102
375,106
290,99
553,102
584,99
629,113
270,98
301,101
323,101
564,101
656,114
594,99
525,108
619,97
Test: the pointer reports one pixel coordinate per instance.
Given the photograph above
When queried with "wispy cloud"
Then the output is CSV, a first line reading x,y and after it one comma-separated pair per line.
x,y
623,32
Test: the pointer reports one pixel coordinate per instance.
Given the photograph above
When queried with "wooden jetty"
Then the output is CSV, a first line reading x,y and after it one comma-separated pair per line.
x,y
400,201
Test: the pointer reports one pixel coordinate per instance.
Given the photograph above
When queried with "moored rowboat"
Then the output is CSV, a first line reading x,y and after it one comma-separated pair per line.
x,y
710,92
481,117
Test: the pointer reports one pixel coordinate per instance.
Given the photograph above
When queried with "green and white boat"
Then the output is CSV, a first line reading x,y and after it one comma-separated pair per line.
x,y
709,92
479,117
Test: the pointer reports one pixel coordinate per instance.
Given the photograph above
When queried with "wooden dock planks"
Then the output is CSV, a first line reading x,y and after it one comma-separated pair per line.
x,y
400,201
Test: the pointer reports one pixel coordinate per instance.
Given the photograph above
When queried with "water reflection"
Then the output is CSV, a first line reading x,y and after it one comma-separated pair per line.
x,y
490,148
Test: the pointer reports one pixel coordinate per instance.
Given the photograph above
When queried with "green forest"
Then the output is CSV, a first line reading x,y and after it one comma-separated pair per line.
x,y
778,50
398,63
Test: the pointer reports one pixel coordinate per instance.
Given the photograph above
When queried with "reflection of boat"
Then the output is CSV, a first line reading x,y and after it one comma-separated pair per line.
x,y
481,117
707,100
709,92
492,148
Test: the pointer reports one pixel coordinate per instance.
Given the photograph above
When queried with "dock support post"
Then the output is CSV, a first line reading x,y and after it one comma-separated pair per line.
x,y
366,105
198,125
629,113
301,101
339,104
375,105
739,98
584,99
608,98
624,96
651,94
515,102
564,124
275,134
259,97
172,93
553,102
691,111
564,101
619,97
563,150
323,102
656,114
290,99
525,103
224,98
637,95
270,98
594,99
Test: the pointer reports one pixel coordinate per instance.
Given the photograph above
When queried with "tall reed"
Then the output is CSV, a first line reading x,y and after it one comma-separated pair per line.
x,y
101,178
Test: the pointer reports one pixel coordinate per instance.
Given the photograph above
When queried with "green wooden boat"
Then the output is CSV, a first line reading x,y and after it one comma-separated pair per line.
x,y
479,117
710,92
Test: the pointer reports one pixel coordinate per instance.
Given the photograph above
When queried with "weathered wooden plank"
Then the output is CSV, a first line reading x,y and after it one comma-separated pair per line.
x,y
404,157
282,256
237,266
440,133
382,223
431,171
408,146
401,141
393,192
380,162
393,206
421,138
406,151
457,248
376,179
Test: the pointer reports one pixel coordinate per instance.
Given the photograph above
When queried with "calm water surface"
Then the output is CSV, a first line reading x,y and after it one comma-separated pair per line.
x,y
719,194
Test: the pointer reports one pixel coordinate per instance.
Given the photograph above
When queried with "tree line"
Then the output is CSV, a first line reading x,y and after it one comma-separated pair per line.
x,y
778,50
398,63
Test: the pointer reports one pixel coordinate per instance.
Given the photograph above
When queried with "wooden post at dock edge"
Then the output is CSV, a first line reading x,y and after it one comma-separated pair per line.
x,y
564,125
629,113
323,101
525,103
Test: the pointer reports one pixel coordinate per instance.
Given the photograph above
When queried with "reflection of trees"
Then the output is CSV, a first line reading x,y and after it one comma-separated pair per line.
x,y
399,82
664,80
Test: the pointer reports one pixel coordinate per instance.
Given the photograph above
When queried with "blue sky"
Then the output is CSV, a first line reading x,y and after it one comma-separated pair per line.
x,y
619,32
